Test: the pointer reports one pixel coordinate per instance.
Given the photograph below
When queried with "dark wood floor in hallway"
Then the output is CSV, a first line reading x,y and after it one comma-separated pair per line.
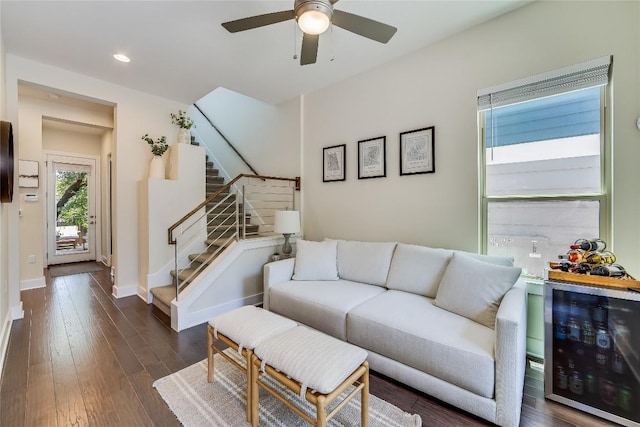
x,y
80,357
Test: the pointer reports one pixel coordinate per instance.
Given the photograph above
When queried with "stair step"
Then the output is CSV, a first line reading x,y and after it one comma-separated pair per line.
x,y
204,258
224,219
227,231
211,171
212,188
225,207
162,297
231,198
184,274
208,165
214,179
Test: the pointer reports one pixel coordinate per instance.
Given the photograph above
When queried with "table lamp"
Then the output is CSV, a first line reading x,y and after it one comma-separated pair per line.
x,y
287,223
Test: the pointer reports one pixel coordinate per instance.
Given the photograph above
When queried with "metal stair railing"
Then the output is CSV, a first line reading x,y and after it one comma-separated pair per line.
x,y
243,208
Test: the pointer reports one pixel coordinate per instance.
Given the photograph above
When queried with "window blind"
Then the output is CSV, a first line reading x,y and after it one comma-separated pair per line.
x,y
72,167
575,77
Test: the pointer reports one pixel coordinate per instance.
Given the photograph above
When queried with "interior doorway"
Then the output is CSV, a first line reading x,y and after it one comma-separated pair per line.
x,y
71,208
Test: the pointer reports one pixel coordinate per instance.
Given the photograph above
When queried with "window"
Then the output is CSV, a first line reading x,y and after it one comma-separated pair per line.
x,y
544,180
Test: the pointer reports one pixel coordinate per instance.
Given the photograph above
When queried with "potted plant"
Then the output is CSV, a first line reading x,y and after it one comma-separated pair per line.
x,y
158,148
185,123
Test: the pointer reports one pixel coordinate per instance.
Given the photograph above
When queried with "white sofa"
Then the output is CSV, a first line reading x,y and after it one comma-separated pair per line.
x,y
411,307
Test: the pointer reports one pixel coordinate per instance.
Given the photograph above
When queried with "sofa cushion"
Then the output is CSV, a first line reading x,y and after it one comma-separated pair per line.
x,y
365,262
323,305
417,269
408,328
507,261
474,289
316,260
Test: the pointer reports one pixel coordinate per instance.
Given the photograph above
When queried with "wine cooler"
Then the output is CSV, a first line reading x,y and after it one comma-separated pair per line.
x,y
592,350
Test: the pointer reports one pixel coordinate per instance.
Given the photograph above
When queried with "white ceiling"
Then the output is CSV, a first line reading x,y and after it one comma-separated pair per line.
x,y
180,51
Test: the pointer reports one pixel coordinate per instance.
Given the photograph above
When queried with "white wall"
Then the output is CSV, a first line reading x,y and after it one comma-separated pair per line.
x,y
5,312
437,86
162,202
136,113
105,187
267,136
34,138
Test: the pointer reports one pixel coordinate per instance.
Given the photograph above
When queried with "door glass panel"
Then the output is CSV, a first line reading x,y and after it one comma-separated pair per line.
x,y
72,210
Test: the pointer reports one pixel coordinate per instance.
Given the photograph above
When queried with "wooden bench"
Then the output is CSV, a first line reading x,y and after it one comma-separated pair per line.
x,y
242,329
317,367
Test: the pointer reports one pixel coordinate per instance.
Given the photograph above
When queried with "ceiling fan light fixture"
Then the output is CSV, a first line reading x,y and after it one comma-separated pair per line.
x,y
314,17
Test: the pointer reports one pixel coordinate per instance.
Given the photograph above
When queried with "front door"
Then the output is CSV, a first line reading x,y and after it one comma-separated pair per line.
x,y
71,206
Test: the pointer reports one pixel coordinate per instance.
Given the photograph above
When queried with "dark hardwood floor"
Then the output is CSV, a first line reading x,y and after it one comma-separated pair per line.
x,y
81,357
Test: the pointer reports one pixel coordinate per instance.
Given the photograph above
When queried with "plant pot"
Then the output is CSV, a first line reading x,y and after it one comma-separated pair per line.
x,y
184,136
156,168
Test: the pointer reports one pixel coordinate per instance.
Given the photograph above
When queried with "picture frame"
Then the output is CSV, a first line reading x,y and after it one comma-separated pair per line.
x,y
334,167
372,158
417,151
28,174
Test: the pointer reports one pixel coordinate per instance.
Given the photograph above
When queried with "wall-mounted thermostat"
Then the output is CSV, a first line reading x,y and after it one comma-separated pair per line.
x,y
30,197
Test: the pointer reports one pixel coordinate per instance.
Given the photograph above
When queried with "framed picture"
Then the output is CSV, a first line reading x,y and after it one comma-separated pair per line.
x,y
28,173
417,151
333,163
372,154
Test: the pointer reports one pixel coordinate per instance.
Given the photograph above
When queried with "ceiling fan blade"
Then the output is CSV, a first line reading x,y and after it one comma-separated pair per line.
x,y
365,27
309,51
258,21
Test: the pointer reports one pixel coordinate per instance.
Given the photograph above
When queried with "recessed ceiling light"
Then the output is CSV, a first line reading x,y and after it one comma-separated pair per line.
x,y
121,57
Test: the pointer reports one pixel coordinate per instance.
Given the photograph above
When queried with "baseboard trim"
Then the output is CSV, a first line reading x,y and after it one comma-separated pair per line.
x,y
25,285
4,340
105,260
121,292
17,312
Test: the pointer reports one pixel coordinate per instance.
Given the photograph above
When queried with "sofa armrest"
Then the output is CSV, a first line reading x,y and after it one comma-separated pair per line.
x,y
511,354
276,272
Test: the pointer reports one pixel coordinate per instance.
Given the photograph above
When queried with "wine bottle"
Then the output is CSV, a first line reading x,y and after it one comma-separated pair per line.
x,y
575,255
612,270
605,257
563,264
589,245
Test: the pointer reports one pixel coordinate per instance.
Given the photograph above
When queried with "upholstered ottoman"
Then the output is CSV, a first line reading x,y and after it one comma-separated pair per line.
x,y
316,366
243,329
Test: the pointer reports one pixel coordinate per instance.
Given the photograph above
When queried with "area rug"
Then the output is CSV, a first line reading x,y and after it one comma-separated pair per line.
x,y
195,402
75,268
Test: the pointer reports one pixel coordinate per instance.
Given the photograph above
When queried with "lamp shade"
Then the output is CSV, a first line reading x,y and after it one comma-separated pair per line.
x,y
313,16
287,222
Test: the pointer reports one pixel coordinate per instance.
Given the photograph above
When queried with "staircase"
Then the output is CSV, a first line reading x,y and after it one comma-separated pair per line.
x,y
223,215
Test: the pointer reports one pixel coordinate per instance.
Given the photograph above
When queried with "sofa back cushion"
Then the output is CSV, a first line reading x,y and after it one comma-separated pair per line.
x,y
316,260
365,262
474,288
507,261
418,269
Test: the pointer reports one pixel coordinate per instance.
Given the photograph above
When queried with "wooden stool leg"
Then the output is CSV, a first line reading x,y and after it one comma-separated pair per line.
x,y
209,354
249,383
364,397
255,398
321,412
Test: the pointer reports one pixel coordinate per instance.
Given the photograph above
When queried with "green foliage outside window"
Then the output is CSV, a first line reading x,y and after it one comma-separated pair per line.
x,y
71,196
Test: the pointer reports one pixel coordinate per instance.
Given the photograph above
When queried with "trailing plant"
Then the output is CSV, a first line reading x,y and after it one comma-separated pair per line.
x,y
182,120
159,146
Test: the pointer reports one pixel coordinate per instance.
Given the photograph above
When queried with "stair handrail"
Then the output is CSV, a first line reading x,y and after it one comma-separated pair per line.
x,y
225,139
224,188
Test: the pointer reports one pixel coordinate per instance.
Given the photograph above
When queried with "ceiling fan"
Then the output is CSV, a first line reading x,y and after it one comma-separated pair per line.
x,y
314,17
